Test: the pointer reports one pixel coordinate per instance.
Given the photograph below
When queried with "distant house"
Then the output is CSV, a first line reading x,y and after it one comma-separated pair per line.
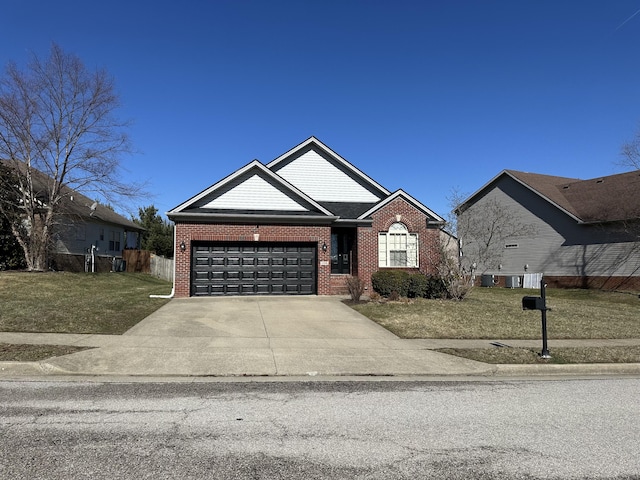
x,y
87,235
87,228
578,233
298,225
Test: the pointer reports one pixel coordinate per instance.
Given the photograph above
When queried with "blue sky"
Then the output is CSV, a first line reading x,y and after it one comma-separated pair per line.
x,y
420,95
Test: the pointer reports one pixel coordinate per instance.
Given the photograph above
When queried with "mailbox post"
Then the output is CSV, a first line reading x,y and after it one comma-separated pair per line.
x,y
539,303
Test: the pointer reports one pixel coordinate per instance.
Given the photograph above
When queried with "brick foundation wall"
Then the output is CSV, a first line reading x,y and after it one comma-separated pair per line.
x,y
194,232
397,211
598,283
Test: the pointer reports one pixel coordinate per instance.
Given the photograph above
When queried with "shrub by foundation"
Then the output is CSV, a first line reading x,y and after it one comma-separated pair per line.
x,y
387,281
356,287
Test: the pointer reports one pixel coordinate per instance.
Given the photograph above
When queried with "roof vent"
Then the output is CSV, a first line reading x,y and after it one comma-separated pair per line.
x,y
565,187
600,180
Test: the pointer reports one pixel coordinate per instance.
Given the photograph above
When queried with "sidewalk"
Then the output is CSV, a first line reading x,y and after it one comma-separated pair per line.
x,y
274,337
188,356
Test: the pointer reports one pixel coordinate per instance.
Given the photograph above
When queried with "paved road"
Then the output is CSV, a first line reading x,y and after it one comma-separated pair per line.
x,y
475,430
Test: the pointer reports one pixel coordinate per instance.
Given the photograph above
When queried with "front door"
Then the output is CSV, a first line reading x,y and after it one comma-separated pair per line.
x,y
341,251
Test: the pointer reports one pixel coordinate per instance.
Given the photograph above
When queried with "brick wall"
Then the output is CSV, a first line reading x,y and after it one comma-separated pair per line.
x,y
599,283
416,222
190,232
365,252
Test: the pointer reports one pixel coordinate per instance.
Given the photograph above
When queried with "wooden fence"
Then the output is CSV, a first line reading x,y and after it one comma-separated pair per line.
x,y
162,267
146,262
137,261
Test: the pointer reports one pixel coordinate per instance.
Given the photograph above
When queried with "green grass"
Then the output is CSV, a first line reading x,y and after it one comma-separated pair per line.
x,y
61,302
496,313
558,355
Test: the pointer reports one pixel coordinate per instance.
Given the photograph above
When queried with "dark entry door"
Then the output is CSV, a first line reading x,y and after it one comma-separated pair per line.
x,y
341,251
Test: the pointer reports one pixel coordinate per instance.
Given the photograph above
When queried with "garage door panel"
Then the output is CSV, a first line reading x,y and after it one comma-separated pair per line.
x,y
249,269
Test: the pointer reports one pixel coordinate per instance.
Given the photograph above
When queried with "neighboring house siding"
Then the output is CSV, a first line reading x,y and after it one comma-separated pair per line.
x,y
560,246
76,238
595,260
323,181
530,250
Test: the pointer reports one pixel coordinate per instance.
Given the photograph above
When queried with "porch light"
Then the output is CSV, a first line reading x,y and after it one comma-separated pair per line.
x,y
324,246
183,246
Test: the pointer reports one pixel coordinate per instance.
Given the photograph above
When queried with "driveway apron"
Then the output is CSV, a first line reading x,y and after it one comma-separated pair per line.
x,y
250,336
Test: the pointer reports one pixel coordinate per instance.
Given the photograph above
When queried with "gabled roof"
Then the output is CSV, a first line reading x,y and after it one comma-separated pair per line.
x,y
604,199
408,198
251,190
75,204
326,176
308,183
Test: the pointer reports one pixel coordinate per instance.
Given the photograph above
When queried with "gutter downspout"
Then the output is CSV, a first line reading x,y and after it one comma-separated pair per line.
x,y
173,286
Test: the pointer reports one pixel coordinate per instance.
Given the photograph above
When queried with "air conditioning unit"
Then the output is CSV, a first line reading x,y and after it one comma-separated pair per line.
x,y
487,280
513,281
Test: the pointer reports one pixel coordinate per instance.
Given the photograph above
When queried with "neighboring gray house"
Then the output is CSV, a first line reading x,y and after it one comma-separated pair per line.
x,y
86,235
86,228
577,233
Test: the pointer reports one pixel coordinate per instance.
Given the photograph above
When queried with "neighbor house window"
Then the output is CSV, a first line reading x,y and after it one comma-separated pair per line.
x,y
114,241
398,247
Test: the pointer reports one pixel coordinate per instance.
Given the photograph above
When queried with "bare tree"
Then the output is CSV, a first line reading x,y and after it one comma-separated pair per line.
x,y
58,131
631,153
483,229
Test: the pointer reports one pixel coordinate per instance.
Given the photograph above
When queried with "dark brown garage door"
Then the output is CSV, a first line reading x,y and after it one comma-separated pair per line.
x,y
251,269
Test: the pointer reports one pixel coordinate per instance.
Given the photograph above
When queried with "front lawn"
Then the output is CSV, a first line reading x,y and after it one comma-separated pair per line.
x,y
61,302
33,353
610,354
496,313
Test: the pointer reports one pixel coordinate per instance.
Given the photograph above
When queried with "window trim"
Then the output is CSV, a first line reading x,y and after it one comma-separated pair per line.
x,y
402,237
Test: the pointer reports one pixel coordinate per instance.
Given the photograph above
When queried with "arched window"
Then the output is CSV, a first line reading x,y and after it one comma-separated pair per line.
x,y
398,247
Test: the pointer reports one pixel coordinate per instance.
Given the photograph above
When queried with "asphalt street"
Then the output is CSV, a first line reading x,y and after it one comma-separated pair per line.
x,y
529,429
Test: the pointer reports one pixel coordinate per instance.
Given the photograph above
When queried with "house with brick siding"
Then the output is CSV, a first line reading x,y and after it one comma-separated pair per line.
x,y
297,225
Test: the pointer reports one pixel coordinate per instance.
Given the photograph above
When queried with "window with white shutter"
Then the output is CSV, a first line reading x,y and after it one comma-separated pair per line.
x,y
398,247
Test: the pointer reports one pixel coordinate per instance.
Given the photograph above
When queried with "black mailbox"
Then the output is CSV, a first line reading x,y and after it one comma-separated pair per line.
x,y
533,303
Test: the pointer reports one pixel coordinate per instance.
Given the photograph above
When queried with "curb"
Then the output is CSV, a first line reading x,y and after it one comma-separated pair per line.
x,y
44,369
511,370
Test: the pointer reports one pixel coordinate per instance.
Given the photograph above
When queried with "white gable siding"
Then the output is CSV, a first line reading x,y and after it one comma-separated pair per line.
x,y
255,193
323,181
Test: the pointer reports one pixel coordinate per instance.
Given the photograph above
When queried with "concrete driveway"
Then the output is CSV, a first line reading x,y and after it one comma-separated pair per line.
x,y
258,336
277,318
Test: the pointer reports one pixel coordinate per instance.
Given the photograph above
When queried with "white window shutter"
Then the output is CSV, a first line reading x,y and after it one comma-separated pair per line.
x,y
412,250
382,250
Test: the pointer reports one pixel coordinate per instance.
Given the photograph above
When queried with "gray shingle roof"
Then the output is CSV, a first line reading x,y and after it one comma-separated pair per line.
x,y
604,199
78,205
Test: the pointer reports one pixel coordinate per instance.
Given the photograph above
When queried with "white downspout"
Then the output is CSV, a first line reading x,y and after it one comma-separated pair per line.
x,y
175,254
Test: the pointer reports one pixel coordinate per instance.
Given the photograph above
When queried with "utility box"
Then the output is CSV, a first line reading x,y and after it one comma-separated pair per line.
x,y
533,303
513,281
487,280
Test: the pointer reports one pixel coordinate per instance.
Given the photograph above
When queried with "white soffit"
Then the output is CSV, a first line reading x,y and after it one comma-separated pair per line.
x,y
255,193
323,181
